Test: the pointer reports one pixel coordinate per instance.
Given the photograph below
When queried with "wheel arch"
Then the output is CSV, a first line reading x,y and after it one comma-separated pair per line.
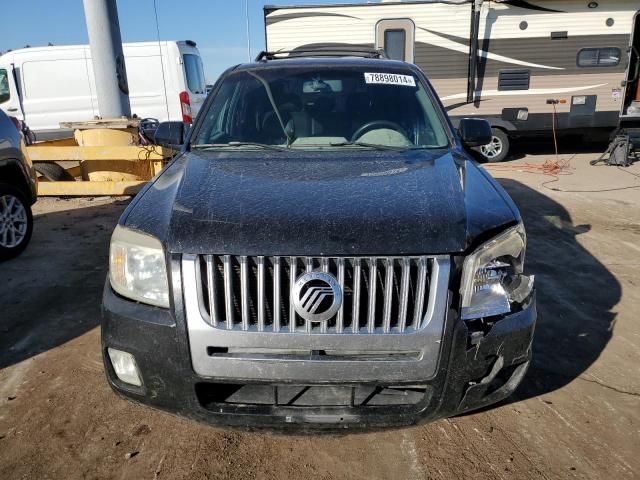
x,y
12,172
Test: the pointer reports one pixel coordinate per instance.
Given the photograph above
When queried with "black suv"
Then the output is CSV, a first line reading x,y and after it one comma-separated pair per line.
x,y
18,189
323,250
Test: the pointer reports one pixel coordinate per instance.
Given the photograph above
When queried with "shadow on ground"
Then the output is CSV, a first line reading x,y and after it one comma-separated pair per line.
x,y
567,145
52,292
576,294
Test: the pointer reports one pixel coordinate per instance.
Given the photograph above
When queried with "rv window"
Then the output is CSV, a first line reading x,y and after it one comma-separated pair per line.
x,y
194,72
599,57
4,86
394,43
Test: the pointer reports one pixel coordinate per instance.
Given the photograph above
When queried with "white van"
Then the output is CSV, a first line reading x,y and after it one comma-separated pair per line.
x,y
47,85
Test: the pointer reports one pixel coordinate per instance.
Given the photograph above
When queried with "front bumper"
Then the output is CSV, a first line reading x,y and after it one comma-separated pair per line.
x,y
474,369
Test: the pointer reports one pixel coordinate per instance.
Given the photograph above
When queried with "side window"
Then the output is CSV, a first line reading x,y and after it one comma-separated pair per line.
x,y
599,57
4,86
396,38
217,123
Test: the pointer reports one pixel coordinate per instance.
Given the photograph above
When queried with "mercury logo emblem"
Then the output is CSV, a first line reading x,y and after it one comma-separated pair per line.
x,y
316,296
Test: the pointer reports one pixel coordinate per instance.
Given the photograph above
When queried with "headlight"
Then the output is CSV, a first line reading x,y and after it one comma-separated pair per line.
x,y
137,268
492,279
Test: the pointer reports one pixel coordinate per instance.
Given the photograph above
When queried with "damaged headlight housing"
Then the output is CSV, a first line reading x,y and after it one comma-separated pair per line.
x,y
492,278
137,268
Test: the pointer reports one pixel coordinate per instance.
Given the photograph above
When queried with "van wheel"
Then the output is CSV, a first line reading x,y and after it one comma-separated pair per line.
x,y
498,149
53,172
16,222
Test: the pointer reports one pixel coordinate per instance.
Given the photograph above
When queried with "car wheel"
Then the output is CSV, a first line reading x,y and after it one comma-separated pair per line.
x,y
53,172
498,149
16,222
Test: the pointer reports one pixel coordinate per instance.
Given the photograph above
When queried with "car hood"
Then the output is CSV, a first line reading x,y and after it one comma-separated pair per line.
x,y
328,203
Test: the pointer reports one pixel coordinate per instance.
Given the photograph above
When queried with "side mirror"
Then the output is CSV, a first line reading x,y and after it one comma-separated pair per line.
x,y
170,134
474,132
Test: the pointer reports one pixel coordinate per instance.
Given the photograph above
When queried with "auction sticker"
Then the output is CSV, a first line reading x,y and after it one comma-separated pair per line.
x,y
390,79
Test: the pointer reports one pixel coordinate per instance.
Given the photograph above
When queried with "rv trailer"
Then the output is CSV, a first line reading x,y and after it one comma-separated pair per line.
x,y
527,66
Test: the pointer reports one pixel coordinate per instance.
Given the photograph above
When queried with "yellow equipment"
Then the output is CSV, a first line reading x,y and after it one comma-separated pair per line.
x,y
106,159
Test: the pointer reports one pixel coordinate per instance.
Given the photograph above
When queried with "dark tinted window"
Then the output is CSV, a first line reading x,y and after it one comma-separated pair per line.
x,y
194,72
4,86
394,43
599,57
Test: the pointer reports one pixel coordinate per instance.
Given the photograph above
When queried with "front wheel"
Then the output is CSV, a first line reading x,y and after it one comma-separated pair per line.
x,y
16,222
498,149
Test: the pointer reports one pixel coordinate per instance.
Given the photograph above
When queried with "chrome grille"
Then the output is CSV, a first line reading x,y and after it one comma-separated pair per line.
x,y
380,294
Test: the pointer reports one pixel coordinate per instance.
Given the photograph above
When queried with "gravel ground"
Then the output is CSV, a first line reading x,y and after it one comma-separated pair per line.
x,y
576,415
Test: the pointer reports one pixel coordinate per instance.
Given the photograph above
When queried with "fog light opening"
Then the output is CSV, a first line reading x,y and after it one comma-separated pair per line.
x,y
124,364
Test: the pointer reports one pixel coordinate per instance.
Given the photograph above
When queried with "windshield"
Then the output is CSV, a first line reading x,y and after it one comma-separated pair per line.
x,y
322,108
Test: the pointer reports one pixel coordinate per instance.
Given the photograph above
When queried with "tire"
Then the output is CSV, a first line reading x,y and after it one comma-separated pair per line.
x,y
16,222
498,149
53,172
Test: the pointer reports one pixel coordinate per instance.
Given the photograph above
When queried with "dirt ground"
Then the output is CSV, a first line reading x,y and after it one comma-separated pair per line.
x,y
576,415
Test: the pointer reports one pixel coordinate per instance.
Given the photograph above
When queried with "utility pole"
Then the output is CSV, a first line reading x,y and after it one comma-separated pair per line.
x,y
107,57
246,12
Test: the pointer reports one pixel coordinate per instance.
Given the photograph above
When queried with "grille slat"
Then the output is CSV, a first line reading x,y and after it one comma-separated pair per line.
x,y
276,294
260,294
293,267
355,319
244,292
212,291
373,283
340,317
422,280
388,296
404,295
228,292
253,293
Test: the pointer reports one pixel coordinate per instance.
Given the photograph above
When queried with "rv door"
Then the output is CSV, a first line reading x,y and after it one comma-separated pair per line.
x,y
397,38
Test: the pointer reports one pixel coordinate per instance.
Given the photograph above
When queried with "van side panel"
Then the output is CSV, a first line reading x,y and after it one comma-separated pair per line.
x,y
58,84
56,89
151,74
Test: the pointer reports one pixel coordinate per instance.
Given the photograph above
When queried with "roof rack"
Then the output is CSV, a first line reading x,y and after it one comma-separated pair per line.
x,y
322,52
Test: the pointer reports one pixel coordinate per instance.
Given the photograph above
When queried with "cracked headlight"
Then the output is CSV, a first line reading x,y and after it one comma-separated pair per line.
x,y
492,278
137,268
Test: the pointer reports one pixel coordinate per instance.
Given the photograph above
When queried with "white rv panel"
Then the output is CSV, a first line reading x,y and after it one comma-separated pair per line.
x,y
527,53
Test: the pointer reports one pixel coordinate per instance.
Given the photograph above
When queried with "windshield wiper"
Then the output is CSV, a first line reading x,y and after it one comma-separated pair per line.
x,y
240,144
375,146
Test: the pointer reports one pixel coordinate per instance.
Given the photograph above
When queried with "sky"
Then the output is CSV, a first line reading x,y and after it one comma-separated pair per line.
x,y
217,26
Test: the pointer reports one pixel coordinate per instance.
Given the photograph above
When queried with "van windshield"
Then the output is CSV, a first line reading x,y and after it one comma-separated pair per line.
x,y
4,86
195,74
322,108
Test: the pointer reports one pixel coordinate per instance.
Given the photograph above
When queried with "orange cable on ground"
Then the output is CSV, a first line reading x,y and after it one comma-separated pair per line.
x,y
554,168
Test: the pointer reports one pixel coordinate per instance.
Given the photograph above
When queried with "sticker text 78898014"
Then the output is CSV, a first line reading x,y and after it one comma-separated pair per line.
x,y
390,79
